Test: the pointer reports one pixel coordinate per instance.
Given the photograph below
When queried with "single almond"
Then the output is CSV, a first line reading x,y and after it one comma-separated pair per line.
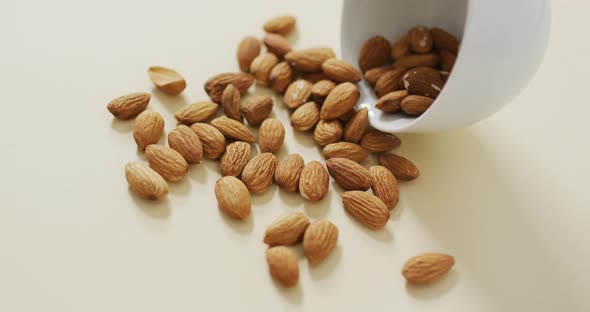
x,y
130,105
235,158
327,131
349,174
427,267
148,128
144,181
391,102
372,75
443,40
196,112
280,24
271,135
217,84
281,77
346,150
305,116
418,83
401,167
167,80
314,181
287,230
277,44
288,172
319,240
283,265
376,141
185,141
374,52
447,60
257,108
297,93
261,67
400,48
167,162
314,77
416,104
248,50
341,71
259,172
233,129
355,128
389,82
230,102
212,139
367,209
309,60
425,70
417,60
233,197
385,186
322,88
420,39
340,100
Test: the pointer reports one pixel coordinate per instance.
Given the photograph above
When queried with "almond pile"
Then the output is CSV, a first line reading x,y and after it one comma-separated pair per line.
x,y
321,92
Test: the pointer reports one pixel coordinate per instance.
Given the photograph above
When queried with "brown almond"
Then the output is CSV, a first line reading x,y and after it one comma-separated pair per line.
x,y
261,67
257,108
283,265
389,82
349,174
366,209
305,116
374,53
425,70
235,158
346,150
167,80
144,181
217,84
376,141
288,172
148,128
355,128
314,181
167,162
341,71
281,77
417,60
248,50
340,100
309,60
385,186
372,75
287,230
447,60
271,135
212,139
230,102
297,93
418,83
319,240
400,48
277,44
233,197
443,40
186,142
327,131
416,105
130,105
259,172
391,102
420,39
401,167
280,24
322,88
196,112
314,77
233,129
427,267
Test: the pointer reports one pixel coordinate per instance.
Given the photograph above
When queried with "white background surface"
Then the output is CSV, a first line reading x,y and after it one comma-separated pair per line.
x,y
507,197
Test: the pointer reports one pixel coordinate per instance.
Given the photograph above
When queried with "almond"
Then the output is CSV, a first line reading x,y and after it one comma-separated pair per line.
x,y
186,142
297,93
376,141
340,100
196,112
389,82
349,174
280,25
309,60
374,52
418,83
233,129
248,50
447,60
271,135
167,80
288,172
287,230
130,105
355,128
346,150
314,181
283,265
385,186
391,102
148,128
305,116
259,172
341,71
444,40
314,77
400,48
372,75
261,67
145,182
327,131
426,71
401,167
230,102
167,162
257,108
277,44
420,39
322,88
416,60
319,240
217,84
366,209
427,267
212,139
416,104
233,197
235,158
281,76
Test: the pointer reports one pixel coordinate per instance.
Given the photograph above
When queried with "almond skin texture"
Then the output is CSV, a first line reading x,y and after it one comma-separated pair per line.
x,y
327,131
322,88
212,139
148,128
283,265
271,135
196,112
297,93
376,141
261,67
357,125
277,44
416,105
427,267
259,172
233,197
313,183
346,150
401,167
309,60
257,108
287,230
420,39
444,40
391,102
372,75
230,102
418,83
305,116
417,60
374,52
280,24
130,105
167,162
186,142
217,84
400,48
167,80
281,77
145,182
385,186
389,82
248,50
319,240
341,71
349,174
447,60
233,129
288,172
340,100
235,158
314,77
347,115
366,209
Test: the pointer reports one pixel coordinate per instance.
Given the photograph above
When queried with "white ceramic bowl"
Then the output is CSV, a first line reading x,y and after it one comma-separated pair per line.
x,y
502,45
